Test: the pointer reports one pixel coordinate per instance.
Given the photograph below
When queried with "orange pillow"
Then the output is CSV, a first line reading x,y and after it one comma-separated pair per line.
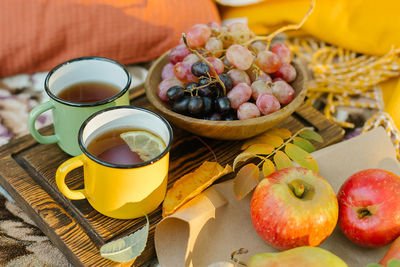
x,y
36,35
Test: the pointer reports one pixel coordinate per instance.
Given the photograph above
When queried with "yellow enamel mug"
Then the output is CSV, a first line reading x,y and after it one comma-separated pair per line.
x,y
120,191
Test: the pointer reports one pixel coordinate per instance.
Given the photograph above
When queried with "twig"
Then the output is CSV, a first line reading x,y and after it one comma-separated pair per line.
x,y
205,60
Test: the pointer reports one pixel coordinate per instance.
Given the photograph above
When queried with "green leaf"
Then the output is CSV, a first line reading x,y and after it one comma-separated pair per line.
x,y
127,248
390,263
245,180
311,135
393,263
281,132
262,149
282,160
268,167
242,157
304,144
301,157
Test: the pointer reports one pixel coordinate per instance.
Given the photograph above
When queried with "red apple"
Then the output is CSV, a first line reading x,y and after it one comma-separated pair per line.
x,y
294,207
369,207
392,253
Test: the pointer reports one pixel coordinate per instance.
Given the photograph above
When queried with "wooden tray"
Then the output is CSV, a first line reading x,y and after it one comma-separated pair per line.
x,y
27,171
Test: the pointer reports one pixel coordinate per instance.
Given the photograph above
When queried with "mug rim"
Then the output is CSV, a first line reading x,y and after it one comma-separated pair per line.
x,y
125,166
89,104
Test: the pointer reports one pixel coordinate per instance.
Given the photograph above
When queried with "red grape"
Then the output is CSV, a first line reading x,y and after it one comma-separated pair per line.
x,y
217,64
258,87
215,46
248,110
239,94
239,57
240,32
191,58
283,52
286,72
258,46
178,53
167,71
267,103
253,73
267,61
277,79
283,92
198,35
239,76
165,85
238,26
215,27
183,71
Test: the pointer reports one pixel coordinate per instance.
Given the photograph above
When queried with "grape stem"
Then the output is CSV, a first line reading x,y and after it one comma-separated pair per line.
x,y
204,60
269,37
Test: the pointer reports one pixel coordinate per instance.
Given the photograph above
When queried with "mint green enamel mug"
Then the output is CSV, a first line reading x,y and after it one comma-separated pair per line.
x,y
69,116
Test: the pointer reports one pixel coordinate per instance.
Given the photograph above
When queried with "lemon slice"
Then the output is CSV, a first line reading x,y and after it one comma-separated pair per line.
x,y
147,145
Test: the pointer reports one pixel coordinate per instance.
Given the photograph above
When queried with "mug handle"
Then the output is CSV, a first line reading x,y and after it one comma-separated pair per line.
x,y
62,171
49,139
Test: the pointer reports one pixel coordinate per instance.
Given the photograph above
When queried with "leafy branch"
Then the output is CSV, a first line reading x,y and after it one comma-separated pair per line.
x,y
276,148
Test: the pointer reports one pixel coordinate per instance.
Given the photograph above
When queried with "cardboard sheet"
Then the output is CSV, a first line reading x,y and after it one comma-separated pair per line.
x,y
214,224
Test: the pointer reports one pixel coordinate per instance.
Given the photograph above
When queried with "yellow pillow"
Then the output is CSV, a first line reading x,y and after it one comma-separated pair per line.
x,y
366,26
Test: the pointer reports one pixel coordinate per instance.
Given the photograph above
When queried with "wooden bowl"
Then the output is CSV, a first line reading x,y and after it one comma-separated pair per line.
x,y
226,130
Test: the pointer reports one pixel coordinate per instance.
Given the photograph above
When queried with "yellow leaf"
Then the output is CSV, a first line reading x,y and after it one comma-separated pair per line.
x,y
262,149
192,184
242,157
282,160
272,140
268,167
281,132
245,180
301,157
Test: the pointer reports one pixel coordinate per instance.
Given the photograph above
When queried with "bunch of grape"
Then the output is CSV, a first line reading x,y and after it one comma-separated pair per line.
x,y
226,73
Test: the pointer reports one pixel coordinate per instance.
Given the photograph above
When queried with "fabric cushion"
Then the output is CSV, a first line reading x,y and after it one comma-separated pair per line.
x,y
36,35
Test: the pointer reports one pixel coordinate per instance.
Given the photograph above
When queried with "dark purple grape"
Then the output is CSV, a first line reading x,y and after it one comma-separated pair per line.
x,y
191,89
228,82
195,106
208,105
203,81
230,116
200,69
205,91
223,105
181,106
175,93
215,117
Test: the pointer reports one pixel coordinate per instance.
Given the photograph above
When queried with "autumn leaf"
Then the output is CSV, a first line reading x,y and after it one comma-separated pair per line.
x,y
268,167
242,157
304,144
272,140
127,248
261,149
192,184
245,180
301,157
311,135
282,160
281,132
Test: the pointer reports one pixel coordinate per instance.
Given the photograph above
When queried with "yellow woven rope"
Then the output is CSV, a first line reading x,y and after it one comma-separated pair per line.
x,y
343,78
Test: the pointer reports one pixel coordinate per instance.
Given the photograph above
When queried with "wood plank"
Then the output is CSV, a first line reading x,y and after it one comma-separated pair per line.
x,y
27,172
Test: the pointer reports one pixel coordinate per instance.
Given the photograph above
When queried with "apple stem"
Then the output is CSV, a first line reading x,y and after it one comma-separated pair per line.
x,y
298,188
363,212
